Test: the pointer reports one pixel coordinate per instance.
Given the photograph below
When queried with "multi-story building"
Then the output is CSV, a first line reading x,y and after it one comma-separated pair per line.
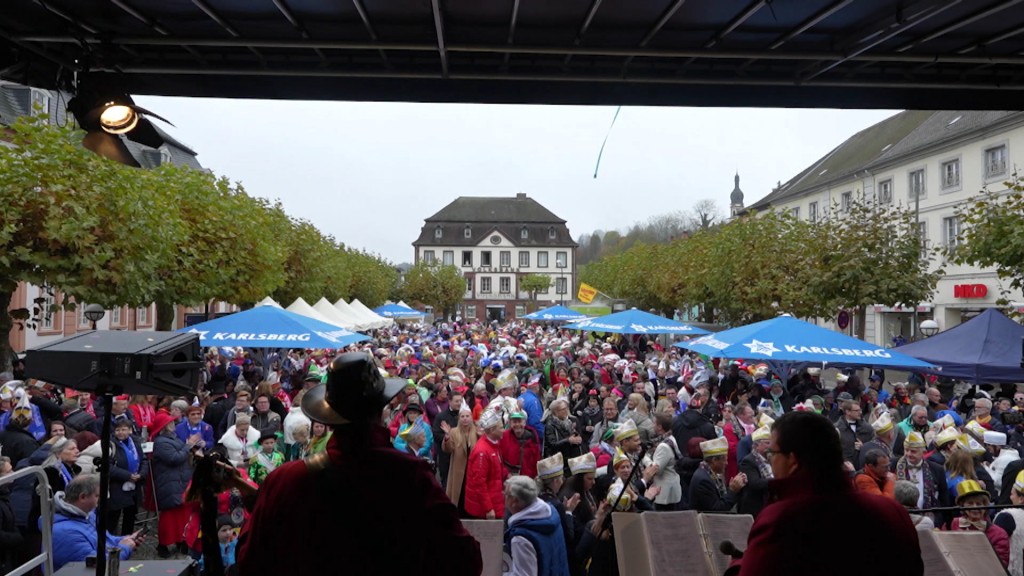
x,y
495,242
17,100
933,162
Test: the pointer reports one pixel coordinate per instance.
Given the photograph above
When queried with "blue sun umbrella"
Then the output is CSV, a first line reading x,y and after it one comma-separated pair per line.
x,y
635,321
555,314
397,311
270,327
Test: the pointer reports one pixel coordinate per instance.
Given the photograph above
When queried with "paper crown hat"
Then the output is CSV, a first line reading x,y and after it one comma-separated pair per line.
x,y
765,420
626,430
965,442
619,502
969,488
1018,483
946,436
947,421
550,467
762,433
620,458
994,438
489,418
716,447
975,429
583,464
882,424
914,440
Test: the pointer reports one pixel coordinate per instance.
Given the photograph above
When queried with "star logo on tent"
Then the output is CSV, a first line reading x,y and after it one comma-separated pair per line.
x,y
202,333
639,328
758,347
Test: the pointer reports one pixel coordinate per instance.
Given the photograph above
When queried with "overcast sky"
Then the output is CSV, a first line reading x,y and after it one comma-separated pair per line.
x,y
369,173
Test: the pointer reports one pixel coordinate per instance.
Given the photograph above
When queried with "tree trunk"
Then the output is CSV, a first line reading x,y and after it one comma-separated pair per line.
x,y
861,319
164,315
6,325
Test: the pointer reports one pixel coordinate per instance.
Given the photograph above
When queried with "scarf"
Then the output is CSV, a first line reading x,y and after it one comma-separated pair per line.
x,y
266,461
963,523
716,478
145,413
776,405
763,466
131,454
244,441
64,473
904,471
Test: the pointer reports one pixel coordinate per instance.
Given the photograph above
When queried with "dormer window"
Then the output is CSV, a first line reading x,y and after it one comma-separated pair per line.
x,y
468,232
437,232
551,233
524,233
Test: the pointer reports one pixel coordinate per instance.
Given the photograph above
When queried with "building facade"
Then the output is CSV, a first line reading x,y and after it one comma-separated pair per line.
x,y
495,242
933,162
55,323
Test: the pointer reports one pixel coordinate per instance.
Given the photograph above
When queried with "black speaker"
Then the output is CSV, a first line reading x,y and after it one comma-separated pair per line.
x,y
120,362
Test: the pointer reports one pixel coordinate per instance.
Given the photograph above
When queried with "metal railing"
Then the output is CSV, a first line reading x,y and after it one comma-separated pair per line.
x,y
45,558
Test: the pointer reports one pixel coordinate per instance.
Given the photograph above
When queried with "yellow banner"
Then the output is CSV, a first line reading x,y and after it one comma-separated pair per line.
x,y
586,293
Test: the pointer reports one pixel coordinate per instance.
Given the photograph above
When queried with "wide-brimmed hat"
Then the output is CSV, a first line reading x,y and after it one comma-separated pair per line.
x,y
969,488
354,391
160,421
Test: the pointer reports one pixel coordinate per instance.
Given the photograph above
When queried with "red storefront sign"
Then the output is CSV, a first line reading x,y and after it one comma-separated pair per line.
x,y
970,291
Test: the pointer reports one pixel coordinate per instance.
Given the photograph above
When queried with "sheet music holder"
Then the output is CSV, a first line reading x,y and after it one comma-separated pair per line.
x,y
661,543
960,553
491,536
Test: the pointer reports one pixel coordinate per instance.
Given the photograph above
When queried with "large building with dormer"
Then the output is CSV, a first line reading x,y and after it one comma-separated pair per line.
x,y
495,242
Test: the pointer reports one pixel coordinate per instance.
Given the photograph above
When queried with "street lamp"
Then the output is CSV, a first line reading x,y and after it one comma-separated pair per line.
x,y
94,313
929,328
561,281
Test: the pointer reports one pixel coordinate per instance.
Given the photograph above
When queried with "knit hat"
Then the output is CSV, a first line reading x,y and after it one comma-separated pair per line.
x,y
914,440
585,464
550,467
717,447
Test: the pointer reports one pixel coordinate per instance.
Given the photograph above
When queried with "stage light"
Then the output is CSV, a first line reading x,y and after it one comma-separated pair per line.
x,y
118,118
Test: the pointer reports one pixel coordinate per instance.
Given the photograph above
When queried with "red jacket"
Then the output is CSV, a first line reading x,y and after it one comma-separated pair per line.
x,y
997,537
485,478
316,521
780,542
520,457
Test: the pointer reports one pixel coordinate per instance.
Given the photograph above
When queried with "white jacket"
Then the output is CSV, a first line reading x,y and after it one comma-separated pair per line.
x,y
1006,455
234,445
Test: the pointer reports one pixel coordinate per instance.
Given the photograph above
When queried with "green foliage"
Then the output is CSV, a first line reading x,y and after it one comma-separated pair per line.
x,y
992,233
534,283
434,285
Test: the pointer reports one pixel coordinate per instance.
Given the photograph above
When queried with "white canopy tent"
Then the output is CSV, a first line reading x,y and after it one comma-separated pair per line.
x,y
324,307
349,312
364,312
303,308
268,301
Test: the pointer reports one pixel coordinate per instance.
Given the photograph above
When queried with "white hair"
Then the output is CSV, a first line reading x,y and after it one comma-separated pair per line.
x,y
558,402
522,488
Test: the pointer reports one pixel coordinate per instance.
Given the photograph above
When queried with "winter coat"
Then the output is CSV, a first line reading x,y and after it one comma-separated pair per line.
x,y
119,474
882,527
11,539
997,537
667,478
691,424
266,423
704,495
183,431
847,437
79,420
74,535
87,458
234,445
485,478
556,438
171,470
534,412
520,455
752,497
535,542
442,456
17,443
458,446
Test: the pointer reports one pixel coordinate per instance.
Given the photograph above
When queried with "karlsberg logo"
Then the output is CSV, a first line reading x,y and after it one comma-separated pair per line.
x,y
265,337
768,349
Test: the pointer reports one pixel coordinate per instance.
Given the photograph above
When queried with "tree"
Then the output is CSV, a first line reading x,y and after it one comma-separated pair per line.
x,y
992,233
534,283
703,214
440,286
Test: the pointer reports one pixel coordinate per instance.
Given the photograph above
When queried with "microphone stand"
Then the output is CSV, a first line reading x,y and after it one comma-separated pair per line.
x,y
606,524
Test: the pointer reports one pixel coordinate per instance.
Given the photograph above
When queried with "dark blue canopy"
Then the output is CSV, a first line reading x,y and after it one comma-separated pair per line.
x,y
986,348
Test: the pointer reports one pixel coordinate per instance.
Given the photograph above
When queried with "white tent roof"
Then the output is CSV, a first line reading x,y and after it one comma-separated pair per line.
x,y
350,312
268,301
363,311
303,308
324,307
402,303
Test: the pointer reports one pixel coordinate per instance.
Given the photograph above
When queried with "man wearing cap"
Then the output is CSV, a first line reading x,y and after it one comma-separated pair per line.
x,y
758,470
485,472
520,447
887,440
708,490
929,477
323,503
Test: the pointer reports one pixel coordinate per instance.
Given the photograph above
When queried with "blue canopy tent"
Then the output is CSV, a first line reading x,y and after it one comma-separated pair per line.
x,y
555,314
271,327
985,349
397,312
786,342
635,321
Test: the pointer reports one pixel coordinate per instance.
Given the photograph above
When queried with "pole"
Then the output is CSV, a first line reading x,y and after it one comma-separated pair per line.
x,y
104,467
922,240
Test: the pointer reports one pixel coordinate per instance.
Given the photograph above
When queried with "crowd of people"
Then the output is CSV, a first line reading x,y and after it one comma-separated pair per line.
x,y
547,429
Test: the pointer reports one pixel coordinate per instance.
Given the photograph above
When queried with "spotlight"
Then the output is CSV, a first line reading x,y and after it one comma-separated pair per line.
x,y
118,118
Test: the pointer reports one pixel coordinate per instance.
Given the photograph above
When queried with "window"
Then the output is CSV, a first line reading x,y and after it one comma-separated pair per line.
x,y
922,233
428,256
812,211
845,200
916,181
165,156
468,232
46,310
115,316
524,259
520,310
142,316
995,161
83,322
470,311
448,258
951,174
504,285
542,259
485,285
524,233
438,232
561,284
505,259
485,258
794,212
544,290
561,259
469,284
467,258
551,233
951,231
885,192
40,102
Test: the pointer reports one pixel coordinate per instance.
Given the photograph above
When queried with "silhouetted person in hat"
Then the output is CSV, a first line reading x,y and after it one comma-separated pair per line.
x,y
337,508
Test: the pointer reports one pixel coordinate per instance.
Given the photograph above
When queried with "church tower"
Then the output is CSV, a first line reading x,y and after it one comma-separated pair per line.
x,y
736,198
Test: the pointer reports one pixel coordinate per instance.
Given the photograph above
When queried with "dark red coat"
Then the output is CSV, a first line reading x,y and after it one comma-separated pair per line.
x,y
334,521
781,542
520,457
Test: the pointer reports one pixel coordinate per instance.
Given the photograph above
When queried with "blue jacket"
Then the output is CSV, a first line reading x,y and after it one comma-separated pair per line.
x,y
545,534
534,411
428,435
170,469
205,430
74,535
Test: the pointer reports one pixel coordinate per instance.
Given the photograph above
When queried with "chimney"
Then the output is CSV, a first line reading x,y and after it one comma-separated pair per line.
x,y
521,196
